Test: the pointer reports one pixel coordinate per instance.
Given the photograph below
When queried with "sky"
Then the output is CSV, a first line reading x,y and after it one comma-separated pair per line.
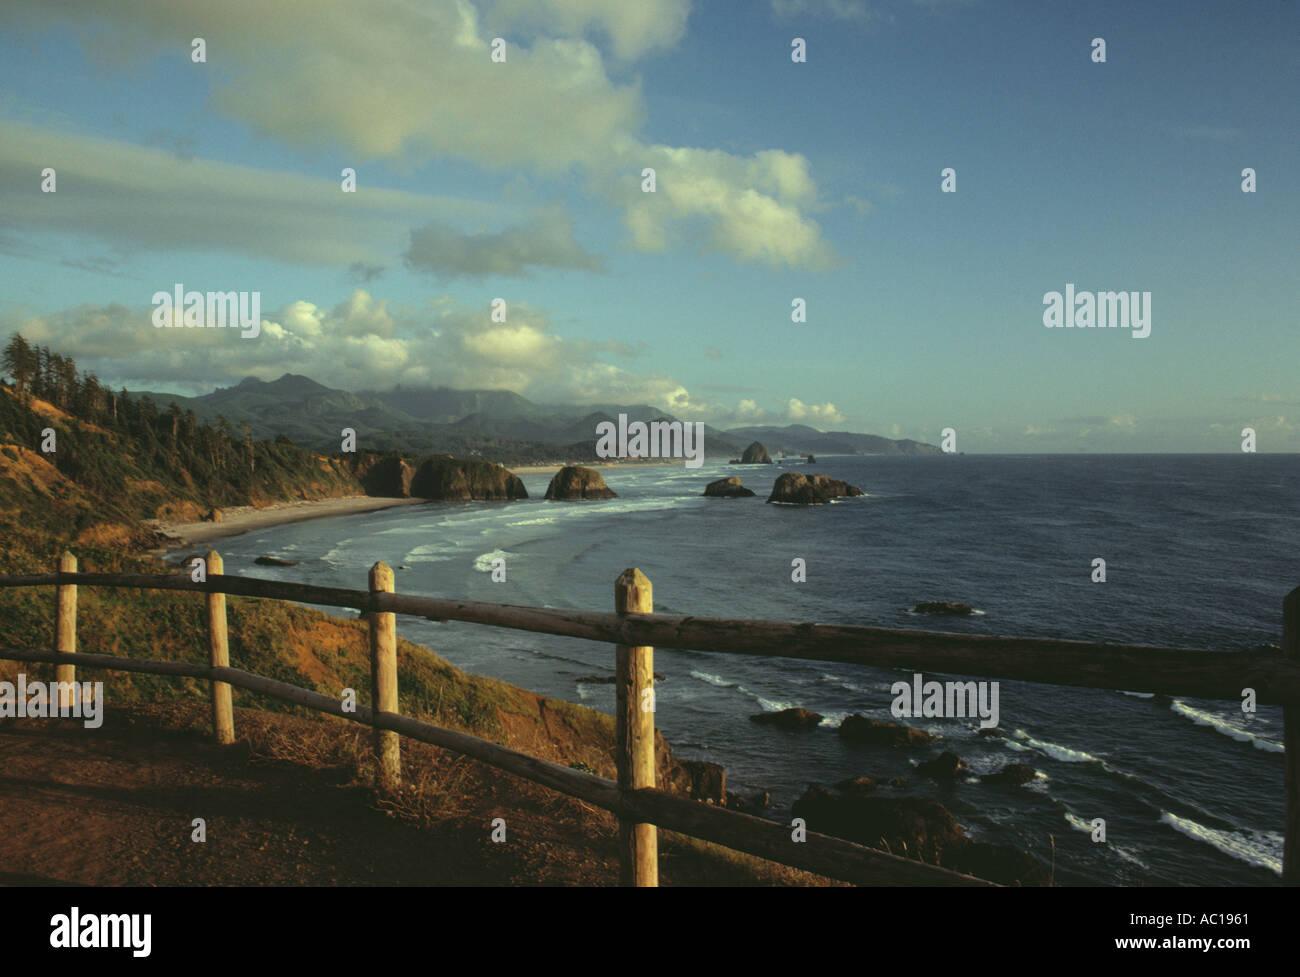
x,y
822,179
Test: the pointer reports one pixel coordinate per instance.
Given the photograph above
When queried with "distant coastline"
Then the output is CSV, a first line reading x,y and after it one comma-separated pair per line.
x,y
237,520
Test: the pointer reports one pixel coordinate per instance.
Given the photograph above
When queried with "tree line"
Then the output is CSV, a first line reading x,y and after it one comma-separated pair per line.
x,y
170,444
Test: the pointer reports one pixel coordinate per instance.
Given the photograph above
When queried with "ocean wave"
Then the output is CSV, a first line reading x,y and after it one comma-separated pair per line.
x,y
1078,823
539,521
1259,848
483,563
712,679
1139,695
832,720
1127,854
1223,726
844,685
432,553
1054,750
769,705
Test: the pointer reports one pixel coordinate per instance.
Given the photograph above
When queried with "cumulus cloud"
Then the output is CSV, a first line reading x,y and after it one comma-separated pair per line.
x,y
410,82
751,207
814,414
365,343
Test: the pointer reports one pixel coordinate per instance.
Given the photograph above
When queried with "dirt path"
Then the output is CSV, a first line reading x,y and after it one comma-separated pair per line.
x,y
116,805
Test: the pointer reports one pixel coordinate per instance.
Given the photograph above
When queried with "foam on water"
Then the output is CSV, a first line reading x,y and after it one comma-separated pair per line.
x,y
1229,729
483,563
1053,750
712,679
1260,848
1078,823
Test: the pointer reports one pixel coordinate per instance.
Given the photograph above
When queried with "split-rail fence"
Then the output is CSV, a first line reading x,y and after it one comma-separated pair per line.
x,y
635,630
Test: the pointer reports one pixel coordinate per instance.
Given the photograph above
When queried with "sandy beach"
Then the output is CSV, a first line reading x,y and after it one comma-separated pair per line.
x,y
244,519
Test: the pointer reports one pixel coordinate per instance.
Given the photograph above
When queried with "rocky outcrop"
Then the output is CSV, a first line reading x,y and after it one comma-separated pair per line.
x,y
800,489
795,718
756,454
859,729
390,478
700,780
755,803
274,561
447,479
576,482
945,766
910,826
812,460
915,828
1012,775
214,515
727,488
942,607
857,785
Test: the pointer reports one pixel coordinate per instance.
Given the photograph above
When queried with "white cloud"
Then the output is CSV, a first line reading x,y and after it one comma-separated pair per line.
x,y
146,198
752,207
827,413
410,82
364,343
634,27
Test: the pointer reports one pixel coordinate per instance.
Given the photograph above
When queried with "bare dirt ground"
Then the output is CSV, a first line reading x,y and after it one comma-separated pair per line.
x,y
289,804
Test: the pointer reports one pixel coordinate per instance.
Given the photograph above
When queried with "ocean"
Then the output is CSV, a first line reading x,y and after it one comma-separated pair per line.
x,y
1199,551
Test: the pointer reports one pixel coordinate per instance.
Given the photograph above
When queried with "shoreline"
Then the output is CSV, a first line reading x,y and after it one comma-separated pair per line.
x,y
596,465
238,520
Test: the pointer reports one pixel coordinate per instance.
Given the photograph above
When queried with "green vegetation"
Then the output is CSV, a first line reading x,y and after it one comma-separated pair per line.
x,y
118,460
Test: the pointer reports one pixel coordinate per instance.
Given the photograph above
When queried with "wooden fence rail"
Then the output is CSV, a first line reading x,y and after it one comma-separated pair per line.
x,y
635,629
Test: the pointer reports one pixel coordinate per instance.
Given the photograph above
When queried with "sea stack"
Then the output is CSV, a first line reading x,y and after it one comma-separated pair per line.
x,y
756,454
727,488
576,482
448,479
800,489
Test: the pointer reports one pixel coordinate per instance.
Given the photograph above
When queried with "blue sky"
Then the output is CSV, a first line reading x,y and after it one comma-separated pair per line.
x,y
776,180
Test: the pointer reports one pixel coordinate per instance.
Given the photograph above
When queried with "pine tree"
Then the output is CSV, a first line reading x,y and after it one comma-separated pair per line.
x,y
20,362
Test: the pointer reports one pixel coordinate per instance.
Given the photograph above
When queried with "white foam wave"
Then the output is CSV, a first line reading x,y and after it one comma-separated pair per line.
x,y
1259,848
483,563
1229,729
712,679
1078,823
1054,750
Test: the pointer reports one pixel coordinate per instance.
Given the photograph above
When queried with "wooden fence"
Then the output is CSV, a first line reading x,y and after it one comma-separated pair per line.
x,y
634,629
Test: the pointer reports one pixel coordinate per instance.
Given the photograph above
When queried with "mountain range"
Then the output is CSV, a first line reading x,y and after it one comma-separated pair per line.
x,y
495,424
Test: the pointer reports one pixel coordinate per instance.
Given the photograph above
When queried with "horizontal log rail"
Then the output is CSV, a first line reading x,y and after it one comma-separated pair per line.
x,y
1204,674
1274,677
821,854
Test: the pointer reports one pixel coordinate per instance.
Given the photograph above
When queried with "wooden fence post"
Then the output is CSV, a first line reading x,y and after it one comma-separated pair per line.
x,y
223,713
634,731
383,679
1291,740
65,629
